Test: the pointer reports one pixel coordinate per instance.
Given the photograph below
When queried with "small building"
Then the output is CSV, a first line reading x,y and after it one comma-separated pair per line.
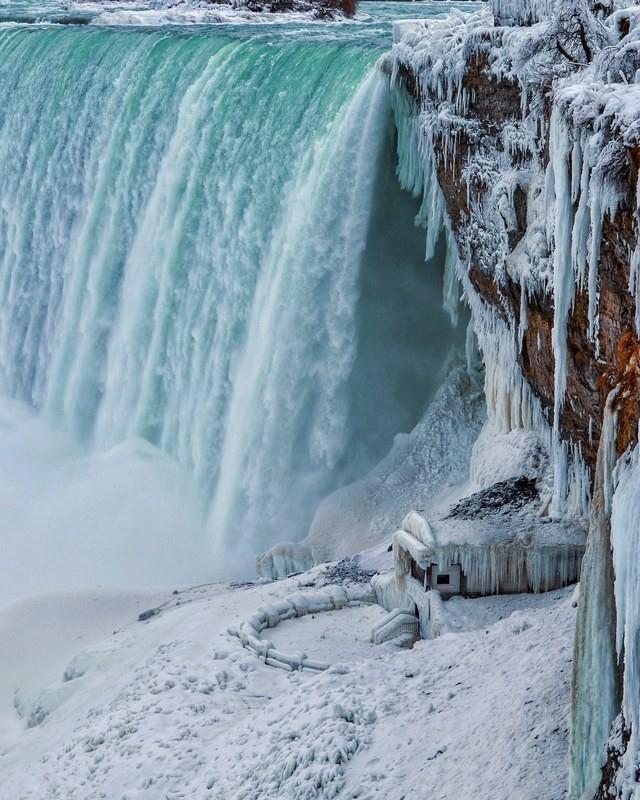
x,y
480,559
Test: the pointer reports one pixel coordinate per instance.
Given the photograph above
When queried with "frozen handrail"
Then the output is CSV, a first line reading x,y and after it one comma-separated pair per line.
x,y
397,622
270,615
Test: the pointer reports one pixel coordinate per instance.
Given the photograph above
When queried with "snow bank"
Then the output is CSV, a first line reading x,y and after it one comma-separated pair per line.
x,y
185,711
498,456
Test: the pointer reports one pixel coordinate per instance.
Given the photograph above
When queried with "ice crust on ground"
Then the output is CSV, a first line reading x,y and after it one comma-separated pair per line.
x,y
177,708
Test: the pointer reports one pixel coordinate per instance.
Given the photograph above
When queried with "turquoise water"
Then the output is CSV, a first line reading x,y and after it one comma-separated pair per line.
x,y
204,247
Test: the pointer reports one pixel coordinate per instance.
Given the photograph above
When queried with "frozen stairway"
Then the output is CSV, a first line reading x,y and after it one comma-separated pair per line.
x,y
398,622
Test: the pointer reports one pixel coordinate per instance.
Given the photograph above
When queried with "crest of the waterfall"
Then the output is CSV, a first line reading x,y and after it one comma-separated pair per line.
x,y
286,427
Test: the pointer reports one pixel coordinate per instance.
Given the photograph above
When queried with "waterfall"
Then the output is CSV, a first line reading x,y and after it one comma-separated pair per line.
x,y
186,227
313,258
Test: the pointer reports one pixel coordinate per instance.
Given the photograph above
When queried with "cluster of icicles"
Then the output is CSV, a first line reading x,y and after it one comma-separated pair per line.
x,y
510,401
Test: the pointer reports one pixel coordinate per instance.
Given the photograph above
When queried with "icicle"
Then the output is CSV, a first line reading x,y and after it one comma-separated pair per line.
x,y
472,355
524,318
563,292
625,537
451,287
594,259
595,699
506,567
580,234
634,267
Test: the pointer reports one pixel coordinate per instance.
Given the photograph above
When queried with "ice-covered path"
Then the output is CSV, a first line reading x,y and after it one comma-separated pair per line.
x,y
175,708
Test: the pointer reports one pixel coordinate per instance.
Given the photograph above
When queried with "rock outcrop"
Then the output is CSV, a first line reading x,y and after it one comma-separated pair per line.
x,y
319,9
494,105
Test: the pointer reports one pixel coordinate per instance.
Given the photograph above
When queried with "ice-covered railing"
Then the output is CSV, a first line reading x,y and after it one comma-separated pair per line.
x,y
396,623
389,591
329,598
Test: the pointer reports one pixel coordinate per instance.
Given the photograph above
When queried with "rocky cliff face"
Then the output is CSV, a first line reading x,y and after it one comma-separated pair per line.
x,y
532,134
495,106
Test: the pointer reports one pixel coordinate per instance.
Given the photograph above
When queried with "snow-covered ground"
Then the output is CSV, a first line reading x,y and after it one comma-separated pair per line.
x,y
343,634
174,707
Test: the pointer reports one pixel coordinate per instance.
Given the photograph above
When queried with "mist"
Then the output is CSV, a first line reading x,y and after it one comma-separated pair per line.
x,y
126,517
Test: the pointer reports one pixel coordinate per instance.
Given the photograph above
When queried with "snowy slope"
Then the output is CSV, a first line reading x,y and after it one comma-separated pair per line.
x,y
174,708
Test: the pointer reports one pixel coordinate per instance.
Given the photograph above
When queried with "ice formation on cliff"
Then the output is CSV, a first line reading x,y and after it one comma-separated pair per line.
x,y
567,199
510,402
625,538
595,700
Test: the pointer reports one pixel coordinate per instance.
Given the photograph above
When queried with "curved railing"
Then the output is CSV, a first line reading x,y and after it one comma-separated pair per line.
x,y
270,615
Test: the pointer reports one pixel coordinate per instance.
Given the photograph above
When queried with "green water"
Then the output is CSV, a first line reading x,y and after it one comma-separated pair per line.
x,y
195,228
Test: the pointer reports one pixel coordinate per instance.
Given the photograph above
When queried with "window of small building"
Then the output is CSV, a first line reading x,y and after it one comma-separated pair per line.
x,y
443,580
